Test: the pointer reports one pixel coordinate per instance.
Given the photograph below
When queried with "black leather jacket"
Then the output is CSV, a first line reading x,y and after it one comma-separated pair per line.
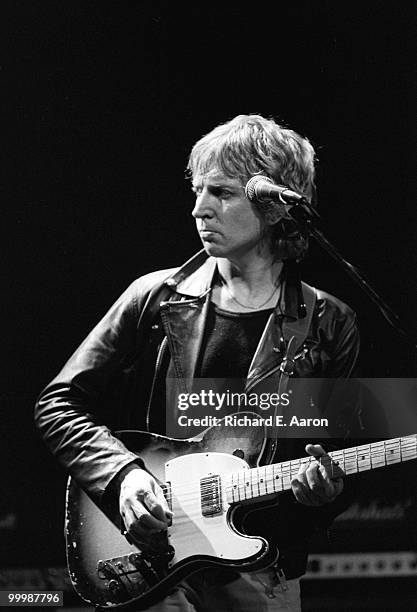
x,y
72,412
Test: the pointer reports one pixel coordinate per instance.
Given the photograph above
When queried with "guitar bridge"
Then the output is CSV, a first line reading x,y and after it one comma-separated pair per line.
x,y
132,575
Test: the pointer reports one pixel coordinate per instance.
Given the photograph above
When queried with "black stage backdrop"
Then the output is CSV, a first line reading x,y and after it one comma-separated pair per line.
x,y
101,103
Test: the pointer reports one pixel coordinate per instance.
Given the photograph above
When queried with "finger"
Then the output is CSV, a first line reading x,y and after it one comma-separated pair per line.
x,y
167,513
327,480
314,478
333,470
156,508
133,529
327,485
329,488
139,534
139,540
146,520
338,486
318,491
315,450
303,494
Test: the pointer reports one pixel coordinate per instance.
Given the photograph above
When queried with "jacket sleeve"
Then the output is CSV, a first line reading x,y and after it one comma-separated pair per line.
x,y
338,336
343,353
68,412
337,339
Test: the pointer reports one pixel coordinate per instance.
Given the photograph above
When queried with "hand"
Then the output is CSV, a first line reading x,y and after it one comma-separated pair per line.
x,y
318,482
143,507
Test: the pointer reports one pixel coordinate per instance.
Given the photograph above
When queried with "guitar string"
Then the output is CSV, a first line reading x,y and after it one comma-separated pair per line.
x,y
372,454
241,492
285,470
408,444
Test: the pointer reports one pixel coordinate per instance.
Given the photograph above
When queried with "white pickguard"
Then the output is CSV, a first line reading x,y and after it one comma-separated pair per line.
x,y
192,533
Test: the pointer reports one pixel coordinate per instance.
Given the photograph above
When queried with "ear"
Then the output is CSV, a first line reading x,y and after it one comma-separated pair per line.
x,y
275,213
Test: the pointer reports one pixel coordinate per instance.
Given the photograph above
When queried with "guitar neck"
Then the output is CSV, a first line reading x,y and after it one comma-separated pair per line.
x,y
276,478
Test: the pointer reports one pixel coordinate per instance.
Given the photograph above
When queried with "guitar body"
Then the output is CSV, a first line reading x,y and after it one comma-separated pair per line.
x,y
108,571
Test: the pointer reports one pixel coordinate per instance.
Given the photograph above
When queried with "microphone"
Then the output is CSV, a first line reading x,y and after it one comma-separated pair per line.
x,y
261,188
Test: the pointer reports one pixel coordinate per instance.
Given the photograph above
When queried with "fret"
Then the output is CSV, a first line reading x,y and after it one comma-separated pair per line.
x,y
351,461
306,460
231,489
236,491
277,478
339,459
378,456
286,475
393,452
364,458
274,480
409,448
242,485
267,477
247,484
256,490
261,481
293,469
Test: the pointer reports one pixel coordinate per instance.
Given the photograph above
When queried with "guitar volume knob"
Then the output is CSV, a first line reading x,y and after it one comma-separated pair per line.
x,y
113,586
135,558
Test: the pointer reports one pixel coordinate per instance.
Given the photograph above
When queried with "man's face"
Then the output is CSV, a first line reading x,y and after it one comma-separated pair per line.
x,y
226,221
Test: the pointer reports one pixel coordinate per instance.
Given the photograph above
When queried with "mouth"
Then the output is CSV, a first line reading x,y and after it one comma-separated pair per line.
x,y
205,231
208,235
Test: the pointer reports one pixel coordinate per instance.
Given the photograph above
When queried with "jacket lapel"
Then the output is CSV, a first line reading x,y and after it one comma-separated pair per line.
x,y
268,353
185,319
184,323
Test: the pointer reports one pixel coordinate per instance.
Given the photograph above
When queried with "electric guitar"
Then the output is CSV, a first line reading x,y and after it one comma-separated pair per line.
x,y
206,480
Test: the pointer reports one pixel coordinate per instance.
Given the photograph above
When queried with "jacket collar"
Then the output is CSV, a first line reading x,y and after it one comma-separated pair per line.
x,y
199,281
194,282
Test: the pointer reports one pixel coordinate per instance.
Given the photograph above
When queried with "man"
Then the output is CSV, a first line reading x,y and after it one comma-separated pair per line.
x,y
217,317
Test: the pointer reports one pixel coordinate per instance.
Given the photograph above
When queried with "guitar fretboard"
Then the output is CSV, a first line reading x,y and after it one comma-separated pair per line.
x,y
276,478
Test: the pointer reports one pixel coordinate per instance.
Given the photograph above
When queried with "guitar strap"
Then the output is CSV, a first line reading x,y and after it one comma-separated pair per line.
x,y
296,331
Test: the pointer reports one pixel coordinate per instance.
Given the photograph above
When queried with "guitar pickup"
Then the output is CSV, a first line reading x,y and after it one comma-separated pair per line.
x,y
210,493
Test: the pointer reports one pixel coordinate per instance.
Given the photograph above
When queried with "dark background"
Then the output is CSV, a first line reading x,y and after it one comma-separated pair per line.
x,y
101,103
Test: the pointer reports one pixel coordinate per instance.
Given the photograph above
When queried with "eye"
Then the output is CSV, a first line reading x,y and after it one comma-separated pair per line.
x,y
221,192
196,190
226,194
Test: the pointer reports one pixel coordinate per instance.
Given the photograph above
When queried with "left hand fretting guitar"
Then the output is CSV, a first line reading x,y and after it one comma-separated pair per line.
x,y
205,479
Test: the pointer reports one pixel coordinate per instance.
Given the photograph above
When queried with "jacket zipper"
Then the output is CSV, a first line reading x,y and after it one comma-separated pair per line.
x,y
157,366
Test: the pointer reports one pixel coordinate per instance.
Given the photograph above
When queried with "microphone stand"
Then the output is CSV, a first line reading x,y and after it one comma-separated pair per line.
x,y
303,213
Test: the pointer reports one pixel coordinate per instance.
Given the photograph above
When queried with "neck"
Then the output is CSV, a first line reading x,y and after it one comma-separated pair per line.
x,y
251,274
275,478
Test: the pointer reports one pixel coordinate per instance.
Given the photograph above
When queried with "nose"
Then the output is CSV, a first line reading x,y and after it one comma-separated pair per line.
x,y
204,205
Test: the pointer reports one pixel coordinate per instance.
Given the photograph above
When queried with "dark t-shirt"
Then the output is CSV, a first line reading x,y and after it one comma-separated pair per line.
x,y
229,343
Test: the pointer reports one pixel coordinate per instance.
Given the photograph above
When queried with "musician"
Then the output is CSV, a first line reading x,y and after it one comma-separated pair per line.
x,y
217,315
